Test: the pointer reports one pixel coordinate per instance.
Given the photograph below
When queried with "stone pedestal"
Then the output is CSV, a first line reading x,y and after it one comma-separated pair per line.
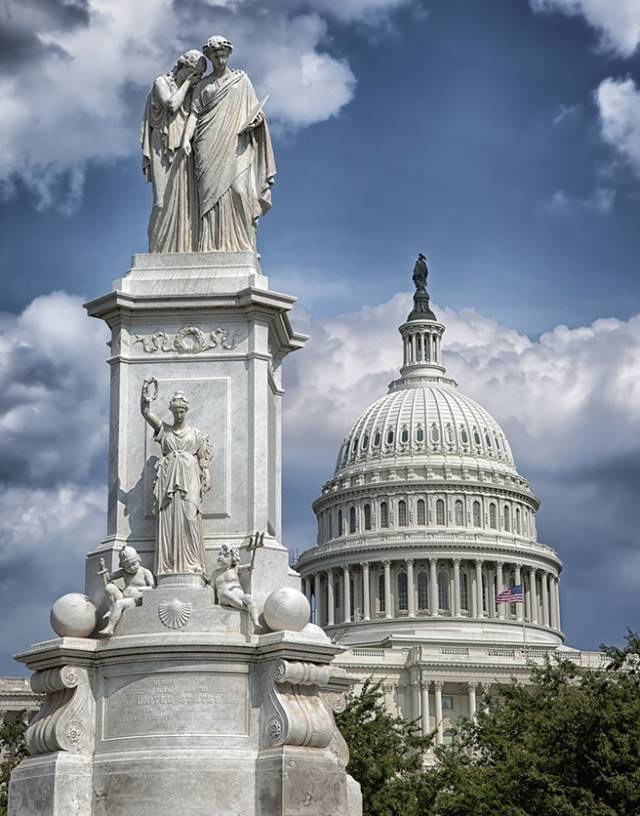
x,y
206,324
186,708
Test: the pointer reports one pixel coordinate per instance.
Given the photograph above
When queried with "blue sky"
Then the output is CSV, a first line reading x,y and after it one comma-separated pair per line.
x,y
501,138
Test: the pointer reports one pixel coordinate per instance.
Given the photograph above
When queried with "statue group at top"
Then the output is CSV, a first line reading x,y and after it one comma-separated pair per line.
x,y
207,152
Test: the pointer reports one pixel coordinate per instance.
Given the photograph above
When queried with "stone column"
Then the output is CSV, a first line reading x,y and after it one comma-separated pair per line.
x,y
545,598
388,611
479,593
346,617
411,589
331,604
438,684
471,691
424,708
433,587
321,615
556,592
500,587
519,607
534,595
456,587
366,598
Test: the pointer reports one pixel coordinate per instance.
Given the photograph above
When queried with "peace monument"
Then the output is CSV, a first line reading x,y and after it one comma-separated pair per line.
x,y
187,677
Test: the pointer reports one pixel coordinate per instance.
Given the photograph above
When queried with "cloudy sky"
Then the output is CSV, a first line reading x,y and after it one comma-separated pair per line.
x,y
501,138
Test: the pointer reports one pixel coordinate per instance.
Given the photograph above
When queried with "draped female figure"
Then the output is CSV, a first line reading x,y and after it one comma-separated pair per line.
x,y
233,158
173,225
182,477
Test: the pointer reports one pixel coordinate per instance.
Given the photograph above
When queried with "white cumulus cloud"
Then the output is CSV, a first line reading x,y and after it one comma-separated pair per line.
x,y
619,108
76,93
616,21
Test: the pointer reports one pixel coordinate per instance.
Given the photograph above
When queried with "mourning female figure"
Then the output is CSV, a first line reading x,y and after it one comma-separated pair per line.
x,y
174,219
182,477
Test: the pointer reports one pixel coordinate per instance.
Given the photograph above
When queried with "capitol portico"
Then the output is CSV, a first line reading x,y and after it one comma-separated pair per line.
x,y
425,521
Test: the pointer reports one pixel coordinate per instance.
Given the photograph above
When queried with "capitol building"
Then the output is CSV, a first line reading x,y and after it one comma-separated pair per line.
x,y
425,521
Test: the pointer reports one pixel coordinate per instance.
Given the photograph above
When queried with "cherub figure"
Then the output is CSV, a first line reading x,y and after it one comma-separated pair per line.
x,y
136,580
226,577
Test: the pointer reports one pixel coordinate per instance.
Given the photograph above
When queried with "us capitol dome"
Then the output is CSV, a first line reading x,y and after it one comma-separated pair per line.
x,y
425,521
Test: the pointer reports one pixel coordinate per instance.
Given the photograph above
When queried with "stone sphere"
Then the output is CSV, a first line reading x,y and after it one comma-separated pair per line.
x,y
73,615
286,608
316,632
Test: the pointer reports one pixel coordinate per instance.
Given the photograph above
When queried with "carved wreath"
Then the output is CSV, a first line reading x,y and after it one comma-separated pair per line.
x,y
188,340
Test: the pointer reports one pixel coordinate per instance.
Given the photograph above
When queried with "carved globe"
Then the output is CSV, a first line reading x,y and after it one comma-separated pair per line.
x,y
73,615
286,608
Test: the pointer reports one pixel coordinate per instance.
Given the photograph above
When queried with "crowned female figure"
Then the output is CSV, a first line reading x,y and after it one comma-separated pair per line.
x,y
173,226
233,158
182,477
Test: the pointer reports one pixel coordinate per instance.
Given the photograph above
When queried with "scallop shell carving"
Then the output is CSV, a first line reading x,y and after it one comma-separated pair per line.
x,y
174,614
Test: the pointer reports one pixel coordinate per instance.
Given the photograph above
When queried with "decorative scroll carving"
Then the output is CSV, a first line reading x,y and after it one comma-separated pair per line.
x,y
66,720
298,715
189,340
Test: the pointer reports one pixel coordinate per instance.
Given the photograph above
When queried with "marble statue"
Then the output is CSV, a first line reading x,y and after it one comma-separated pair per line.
x,y
136,579
229,590
234,166
173,226
182,477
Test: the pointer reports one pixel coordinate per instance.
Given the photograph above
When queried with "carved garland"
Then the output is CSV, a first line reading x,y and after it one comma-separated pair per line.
x,y
189,340
66,720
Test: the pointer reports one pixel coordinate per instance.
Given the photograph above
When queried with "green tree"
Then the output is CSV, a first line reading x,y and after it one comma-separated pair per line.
x,y
566,745
385,756
12,751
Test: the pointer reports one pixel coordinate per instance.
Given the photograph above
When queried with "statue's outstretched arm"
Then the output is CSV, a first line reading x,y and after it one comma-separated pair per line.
x,y
145,403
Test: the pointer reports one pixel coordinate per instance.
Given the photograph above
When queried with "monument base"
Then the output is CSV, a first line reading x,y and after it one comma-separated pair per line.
x,y
194,714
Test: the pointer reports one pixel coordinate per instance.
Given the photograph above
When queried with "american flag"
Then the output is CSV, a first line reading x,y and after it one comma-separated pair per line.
x,y
512,594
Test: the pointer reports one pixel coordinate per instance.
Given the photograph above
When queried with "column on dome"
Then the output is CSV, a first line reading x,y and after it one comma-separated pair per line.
x,y
433,587
534,595
499,588
424,707
519,607
456,588
331,605
479,593
553,611
320,611
471,693
346,595
556,591
366,591
438,684
388,612
411,589
545,598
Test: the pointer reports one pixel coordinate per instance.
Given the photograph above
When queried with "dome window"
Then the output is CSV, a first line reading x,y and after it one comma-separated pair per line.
x,y
354,446
435,433
381,593
384,514
476,437
330,524
423,590
420,434
459,513
449,434
336,593
367,517
440,512
487,438
403,592
404,435
340,522
402,513
377,438
443,590
464,435
365,442
422,515
477,517
497,438
464,591
353,520
518,522
507,519
390,436
493,517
